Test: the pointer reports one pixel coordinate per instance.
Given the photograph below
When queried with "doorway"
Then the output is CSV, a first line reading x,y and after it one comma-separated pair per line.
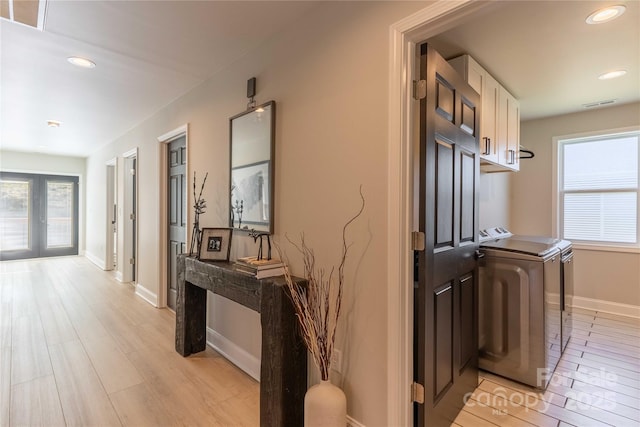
x,y
177,213
129,220
405,35
38,215
111,246
173,163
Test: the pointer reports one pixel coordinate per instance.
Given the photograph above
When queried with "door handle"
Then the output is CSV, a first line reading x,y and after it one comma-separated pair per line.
x,y
479,255
487,146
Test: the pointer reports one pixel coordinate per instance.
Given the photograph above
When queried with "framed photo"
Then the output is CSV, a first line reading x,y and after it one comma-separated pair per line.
x,y
251,195
215,244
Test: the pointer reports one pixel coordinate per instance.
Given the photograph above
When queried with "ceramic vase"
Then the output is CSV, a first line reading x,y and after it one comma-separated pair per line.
x,y
325,405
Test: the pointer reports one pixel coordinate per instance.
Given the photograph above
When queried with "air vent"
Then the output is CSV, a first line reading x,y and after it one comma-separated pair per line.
x,y
599,103
30,12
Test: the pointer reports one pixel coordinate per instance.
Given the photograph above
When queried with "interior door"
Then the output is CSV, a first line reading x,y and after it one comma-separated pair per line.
x,y
177,214
445,324
38,215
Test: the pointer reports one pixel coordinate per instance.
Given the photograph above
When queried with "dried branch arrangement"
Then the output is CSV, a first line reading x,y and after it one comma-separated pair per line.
x,y
199,207
318,304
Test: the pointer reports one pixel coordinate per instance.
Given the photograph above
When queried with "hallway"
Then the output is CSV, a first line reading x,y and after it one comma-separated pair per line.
x,y
78,347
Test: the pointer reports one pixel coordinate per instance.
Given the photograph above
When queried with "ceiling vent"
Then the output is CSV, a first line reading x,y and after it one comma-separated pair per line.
x,y
26,12
599,103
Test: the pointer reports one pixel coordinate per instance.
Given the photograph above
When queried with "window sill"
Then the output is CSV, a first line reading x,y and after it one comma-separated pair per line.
x,y
605,248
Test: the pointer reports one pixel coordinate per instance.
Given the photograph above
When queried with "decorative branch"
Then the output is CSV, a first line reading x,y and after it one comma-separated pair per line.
x,y
318,305
200,207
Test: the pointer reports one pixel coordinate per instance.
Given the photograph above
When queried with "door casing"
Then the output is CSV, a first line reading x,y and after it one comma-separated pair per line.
x,y
404,36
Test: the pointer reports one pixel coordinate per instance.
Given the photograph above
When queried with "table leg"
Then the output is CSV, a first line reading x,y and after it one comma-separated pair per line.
x,y
191,312
283,372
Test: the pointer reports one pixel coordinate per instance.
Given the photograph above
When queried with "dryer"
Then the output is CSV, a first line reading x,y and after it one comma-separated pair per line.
x,y
521,306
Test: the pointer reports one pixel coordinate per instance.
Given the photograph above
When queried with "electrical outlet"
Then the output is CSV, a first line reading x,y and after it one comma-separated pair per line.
x,y
336,360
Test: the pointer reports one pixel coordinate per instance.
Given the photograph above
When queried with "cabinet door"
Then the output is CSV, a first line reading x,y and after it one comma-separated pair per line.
x,y
489,119
508,130
513,133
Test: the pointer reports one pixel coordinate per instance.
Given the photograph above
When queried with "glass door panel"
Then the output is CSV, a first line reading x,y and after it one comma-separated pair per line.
x,y
59,214
15,208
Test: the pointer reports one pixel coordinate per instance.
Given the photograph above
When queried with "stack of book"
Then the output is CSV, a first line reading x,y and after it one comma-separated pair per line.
x,y
260,268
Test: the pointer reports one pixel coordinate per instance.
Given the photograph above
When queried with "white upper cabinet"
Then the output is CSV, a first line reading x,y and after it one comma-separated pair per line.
x,y
509,131
499,117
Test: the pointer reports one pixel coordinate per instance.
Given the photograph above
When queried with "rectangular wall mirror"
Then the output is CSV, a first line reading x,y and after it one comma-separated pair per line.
x,y
252,135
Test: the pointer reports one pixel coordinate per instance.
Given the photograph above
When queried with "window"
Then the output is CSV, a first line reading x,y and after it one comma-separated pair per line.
x,y
598,189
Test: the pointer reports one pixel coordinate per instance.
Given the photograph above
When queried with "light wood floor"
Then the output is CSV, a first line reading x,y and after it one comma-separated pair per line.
x,y
597,382
79,348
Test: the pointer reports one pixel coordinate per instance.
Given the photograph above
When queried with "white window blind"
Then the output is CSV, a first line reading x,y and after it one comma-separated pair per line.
x,y
599,188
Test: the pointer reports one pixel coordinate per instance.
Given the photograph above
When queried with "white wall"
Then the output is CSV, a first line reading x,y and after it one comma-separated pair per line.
x,y
14,161
609,276
494,199
328,73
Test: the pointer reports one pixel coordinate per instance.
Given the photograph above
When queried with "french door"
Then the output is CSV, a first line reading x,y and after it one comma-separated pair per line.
x,y
38,215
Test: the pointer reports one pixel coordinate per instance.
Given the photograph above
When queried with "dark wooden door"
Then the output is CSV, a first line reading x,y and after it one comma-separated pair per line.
x,y
446,349
177,214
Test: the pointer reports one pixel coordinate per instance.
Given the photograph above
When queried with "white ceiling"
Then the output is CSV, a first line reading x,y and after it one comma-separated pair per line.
x,y
545,54
149,53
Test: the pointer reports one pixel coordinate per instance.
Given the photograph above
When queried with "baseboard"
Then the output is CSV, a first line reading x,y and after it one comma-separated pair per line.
x,y
119,276
94,259
353,423
246,361
605,306
235,354
146,295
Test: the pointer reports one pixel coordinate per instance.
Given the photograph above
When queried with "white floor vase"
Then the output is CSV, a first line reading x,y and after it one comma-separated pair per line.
x,y
325,405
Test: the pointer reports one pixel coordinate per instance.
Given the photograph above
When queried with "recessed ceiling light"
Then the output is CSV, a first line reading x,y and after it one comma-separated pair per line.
x,y
605,15
612,74
81,62
53,123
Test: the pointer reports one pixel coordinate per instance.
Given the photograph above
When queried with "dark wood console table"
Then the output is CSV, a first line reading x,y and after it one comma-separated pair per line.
x,y
283,368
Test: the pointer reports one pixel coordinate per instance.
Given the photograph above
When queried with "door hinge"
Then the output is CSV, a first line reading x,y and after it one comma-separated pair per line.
x,y
417,240
417,393
132,216
419,89
132,261
132,172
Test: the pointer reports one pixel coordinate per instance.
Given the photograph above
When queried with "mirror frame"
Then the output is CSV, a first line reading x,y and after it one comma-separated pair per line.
x,y
271,167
